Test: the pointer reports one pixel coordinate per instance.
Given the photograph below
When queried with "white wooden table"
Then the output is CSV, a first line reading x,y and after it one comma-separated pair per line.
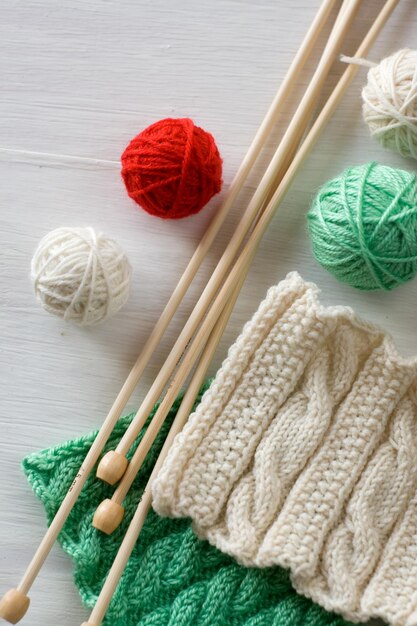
x,y
81,77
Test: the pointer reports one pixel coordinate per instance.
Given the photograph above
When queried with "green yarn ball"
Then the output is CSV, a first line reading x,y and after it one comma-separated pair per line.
x,y
363,226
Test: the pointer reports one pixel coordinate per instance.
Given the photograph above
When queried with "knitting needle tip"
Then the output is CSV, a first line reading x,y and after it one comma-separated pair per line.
x,y
112,467
14,606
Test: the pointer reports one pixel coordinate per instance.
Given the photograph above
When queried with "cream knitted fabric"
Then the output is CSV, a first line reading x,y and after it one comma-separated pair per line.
x,y
303,454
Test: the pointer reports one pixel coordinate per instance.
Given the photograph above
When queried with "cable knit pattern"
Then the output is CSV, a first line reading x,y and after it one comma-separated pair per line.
x,y
302,454
392,592
172,578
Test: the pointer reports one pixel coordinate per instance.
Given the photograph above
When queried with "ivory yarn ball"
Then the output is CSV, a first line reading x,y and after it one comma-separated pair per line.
x,y
80,276
363,226
390,102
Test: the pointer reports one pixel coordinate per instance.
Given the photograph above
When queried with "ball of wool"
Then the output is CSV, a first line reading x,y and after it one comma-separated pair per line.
x,y
390,102
172,168
363,226
80,276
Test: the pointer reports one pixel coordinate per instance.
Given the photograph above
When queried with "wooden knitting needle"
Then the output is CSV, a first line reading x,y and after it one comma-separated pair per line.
x,y
15,603
136,524
114,463
110,512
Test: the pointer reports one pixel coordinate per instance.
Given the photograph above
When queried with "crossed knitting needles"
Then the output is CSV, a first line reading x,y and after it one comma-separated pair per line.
x,y
201,334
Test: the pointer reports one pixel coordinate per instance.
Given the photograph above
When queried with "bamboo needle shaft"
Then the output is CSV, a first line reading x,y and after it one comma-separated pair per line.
x,y
275,170
236,275
174,301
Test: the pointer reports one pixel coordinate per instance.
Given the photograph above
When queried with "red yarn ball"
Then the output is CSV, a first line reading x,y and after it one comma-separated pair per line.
x,y
172,168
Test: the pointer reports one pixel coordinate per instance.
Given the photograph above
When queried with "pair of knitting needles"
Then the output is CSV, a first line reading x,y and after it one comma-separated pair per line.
x,y
281,171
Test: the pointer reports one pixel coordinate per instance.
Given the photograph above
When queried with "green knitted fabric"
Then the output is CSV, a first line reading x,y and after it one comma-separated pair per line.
x,y
172,578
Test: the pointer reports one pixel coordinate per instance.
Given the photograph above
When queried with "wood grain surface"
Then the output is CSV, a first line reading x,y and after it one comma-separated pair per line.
x,y
81,77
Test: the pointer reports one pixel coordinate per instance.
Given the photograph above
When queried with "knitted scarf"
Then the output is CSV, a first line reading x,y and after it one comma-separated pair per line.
x,y
172,578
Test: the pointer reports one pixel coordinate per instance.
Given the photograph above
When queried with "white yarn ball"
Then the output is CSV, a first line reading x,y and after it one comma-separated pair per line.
x,y
80,276
390,102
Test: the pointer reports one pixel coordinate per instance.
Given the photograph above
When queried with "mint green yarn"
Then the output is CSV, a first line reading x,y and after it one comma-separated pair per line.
x,y
172,578
363,226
